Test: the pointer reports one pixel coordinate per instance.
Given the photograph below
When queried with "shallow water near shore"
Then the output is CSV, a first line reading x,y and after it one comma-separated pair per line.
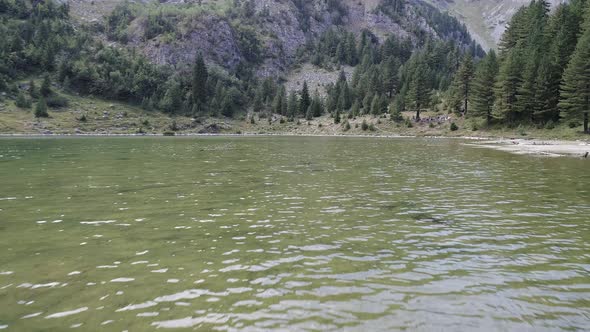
x,y
290,233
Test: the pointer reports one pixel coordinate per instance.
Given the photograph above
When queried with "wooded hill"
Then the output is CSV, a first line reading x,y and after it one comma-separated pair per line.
x,y
406,55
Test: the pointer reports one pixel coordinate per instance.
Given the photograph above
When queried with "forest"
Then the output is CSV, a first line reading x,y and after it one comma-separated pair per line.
x,y
540,75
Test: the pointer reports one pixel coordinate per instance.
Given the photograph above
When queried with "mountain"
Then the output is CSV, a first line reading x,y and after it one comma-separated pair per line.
x,y
269,34
485,19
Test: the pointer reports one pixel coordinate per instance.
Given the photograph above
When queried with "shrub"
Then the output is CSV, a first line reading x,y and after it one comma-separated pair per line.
x,y
169,133
83,118
550,125
454,127
408,123
364,126
173,126
573,124
57,101
346,126
372,127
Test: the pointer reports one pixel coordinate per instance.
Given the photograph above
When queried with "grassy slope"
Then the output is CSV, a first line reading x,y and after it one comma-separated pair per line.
x,y
107,117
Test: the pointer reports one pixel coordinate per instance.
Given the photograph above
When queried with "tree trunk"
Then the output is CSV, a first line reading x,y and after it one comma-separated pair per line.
x,y
418,114
489,117
586,123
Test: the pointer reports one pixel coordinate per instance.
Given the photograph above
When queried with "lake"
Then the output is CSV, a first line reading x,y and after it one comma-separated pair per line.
x,y
290,233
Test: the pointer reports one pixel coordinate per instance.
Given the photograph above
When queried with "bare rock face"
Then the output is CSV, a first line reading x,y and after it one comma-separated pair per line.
x,y
282,27
208,34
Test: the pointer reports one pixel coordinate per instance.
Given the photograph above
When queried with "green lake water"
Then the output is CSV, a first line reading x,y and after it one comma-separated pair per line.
x,y
290,234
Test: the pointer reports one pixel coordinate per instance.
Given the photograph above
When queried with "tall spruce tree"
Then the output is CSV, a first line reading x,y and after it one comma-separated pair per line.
x,y
304,99
482,96
292,105
418,92
199,82
575,89
463,78
506,88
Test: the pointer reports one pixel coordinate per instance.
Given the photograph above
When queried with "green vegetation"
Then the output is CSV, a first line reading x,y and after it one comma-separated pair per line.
x,y
541,75
538,79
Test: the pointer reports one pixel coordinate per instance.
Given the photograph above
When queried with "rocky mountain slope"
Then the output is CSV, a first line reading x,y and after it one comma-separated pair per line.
x,y
269,35
486,19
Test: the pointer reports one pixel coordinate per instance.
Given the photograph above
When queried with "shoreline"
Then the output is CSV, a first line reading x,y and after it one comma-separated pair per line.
x,y
520,146
539,147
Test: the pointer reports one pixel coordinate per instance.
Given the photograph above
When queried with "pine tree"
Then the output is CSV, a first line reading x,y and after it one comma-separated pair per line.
x,y
305,99
390,76
45,86
337,117
172,101
292,105
375,105
463,78
575,89
506,88
199,81
525,99
33,90
316,105
277,104
418,92
41,109
515,31
356,108
482,96
258,102
21,101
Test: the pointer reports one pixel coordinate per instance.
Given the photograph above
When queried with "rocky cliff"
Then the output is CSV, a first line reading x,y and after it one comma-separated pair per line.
x,y
267,35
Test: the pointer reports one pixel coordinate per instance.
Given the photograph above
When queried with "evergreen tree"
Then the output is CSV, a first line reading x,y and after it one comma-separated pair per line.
x,y
304,99
356,108
21,100
337,117
506,88
45,86
277,104
258,102
375,105
525,99
482,96
199,81
316,105
418,92
575,89
33,90
172,101
41,109
292,105
463,78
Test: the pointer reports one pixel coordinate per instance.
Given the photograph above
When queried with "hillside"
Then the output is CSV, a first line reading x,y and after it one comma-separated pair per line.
x,y
285,60
211,58
267,34
485,19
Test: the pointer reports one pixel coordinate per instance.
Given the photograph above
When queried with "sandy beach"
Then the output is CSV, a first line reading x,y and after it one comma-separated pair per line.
x,y
549,148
